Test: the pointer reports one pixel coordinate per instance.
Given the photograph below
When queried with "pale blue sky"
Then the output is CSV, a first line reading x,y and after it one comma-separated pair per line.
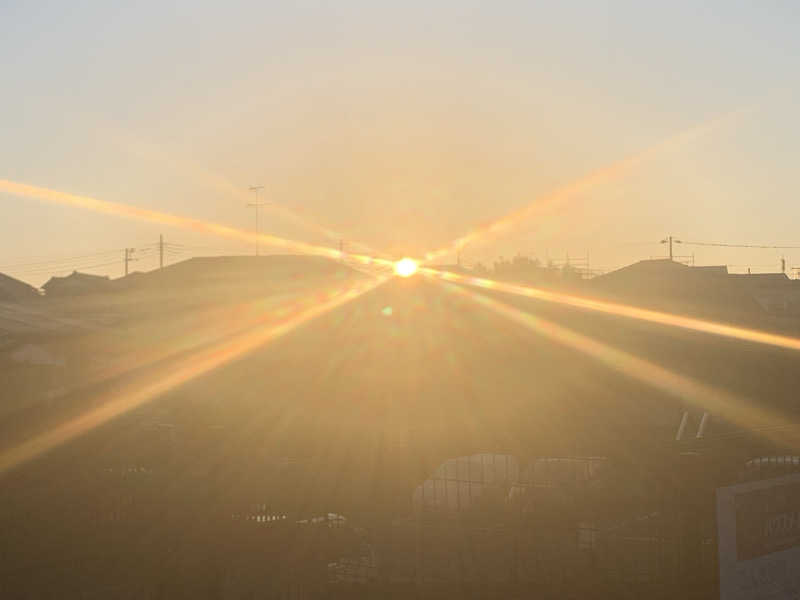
x,y
402,125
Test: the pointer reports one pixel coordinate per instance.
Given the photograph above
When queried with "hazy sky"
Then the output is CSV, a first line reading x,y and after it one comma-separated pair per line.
x,y
402,125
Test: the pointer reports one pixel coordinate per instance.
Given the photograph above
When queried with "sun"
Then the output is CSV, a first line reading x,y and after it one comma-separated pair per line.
x,y
405,267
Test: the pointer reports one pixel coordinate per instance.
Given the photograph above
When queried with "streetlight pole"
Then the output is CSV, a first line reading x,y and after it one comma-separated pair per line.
x,y
256,189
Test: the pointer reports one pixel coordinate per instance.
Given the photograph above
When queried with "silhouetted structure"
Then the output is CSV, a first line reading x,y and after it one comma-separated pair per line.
x,y
710,290
14,290
76,284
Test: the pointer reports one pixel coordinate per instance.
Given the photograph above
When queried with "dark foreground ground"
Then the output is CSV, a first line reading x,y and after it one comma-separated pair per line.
x,y
315,466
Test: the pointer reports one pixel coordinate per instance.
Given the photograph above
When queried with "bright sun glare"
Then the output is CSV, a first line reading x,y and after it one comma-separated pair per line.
x,y
405,267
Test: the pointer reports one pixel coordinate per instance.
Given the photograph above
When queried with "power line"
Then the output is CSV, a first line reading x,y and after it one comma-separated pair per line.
x,y
65,259
769,266
726,245
60,267
64,268
621,244
67,269
106,264
57,261
73,263
188,248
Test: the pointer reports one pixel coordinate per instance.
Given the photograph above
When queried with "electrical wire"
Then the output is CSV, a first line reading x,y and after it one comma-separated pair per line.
x,y
66,268
84,267
74,263
726,245
65,259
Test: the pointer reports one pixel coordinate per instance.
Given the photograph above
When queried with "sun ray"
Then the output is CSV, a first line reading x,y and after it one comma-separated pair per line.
x,y
175,375
203,327
736,409
550,201
119,209
622,310
218,182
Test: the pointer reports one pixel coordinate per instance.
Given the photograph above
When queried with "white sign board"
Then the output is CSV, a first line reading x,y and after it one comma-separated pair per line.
x,y
759,539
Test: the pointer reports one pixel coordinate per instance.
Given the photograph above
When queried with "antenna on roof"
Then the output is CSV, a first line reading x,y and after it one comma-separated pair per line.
x,y
670,240
256,189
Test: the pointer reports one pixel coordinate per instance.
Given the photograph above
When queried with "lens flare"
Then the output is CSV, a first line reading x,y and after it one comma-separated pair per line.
x,y
173,375
551,201
196,225
740,411
221,184
622,310
405,267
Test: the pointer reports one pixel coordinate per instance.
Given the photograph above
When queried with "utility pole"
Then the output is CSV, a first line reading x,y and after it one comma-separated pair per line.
x,y
160,252
256,189
128,258
669,240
